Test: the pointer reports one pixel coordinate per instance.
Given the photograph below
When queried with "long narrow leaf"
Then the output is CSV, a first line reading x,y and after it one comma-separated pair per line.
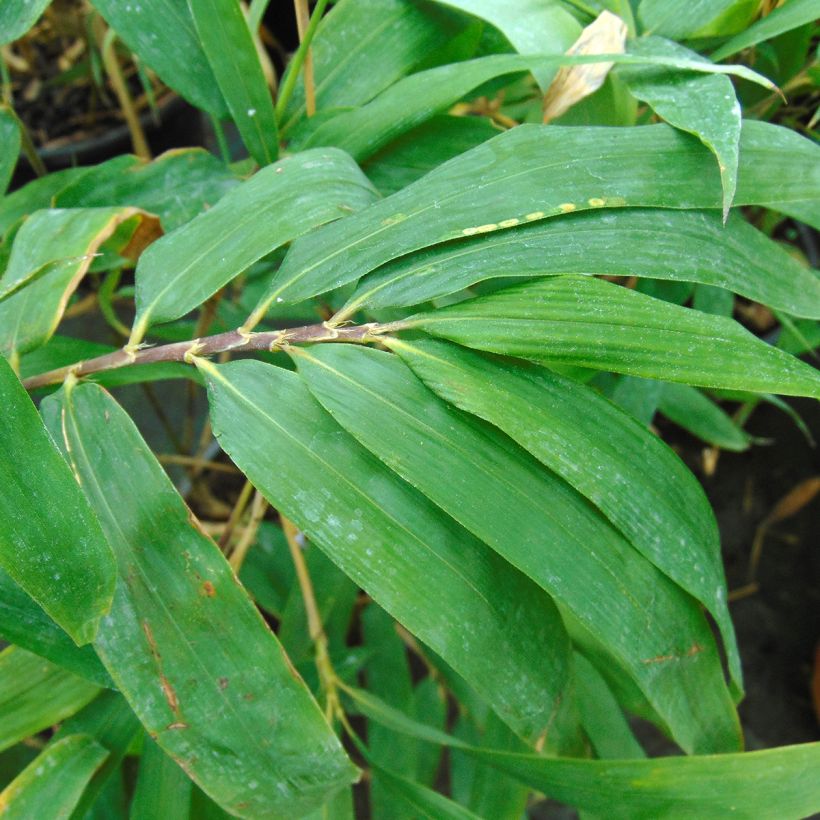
x,y
60,558
441,583
162,33
784,18
24,623
183,642
226,39
276,205
769,783
626,471
535,172
53,783
681,246
542,526
36,694
588,322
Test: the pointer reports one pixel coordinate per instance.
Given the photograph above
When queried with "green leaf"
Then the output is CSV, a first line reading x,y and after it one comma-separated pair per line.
x,y
604,722
183,642
409,102
9,135
37,194
699,415
59,557
18,16
226,39
23,622
415,153
36,694
112,724
162,34
630,475
531,26
361,49
427,572
677,21
770,783
279,203
71,237
176,186
163,789
784,18
53,783
587,322
538,523
418,800
50,255
703,105
534,172
688,246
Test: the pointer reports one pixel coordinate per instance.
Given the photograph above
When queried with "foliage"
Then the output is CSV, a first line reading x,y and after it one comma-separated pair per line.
x,y
433,331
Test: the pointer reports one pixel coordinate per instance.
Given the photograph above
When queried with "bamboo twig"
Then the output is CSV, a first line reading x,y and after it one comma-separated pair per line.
x,y
231,340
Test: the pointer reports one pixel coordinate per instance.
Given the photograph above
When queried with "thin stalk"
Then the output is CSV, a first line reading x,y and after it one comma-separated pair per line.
x,y
105,40
289,82
236,514
258,508
302,23
195,461
327,674
231,340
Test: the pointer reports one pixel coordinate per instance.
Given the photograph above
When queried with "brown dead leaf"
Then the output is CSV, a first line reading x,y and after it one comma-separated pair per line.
x,y
795,500
605,35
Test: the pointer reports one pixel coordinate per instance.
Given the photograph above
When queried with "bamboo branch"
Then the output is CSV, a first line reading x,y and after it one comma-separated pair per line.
x,y
232,341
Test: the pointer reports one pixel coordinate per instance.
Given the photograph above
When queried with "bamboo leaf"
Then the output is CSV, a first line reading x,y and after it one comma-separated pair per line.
x,y
226,40
541,525
535,172
442,584
176,186
409,102
61,559
36,694
702,104
53,783
273,207
636,481
183,642
163,789
18,16
9,135
784,18
112,724
587,322
699,415
362,49
52,252
162,33
773,782
673,20
24,623
687,246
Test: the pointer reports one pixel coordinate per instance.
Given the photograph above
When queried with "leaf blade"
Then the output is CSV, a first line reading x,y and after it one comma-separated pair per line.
x,y
220,712
254,404
73,584
588,322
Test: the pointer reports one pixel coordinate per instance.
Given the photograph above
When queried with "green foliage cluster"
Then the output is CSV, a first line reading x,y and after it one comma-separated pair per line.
x,y
433,332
